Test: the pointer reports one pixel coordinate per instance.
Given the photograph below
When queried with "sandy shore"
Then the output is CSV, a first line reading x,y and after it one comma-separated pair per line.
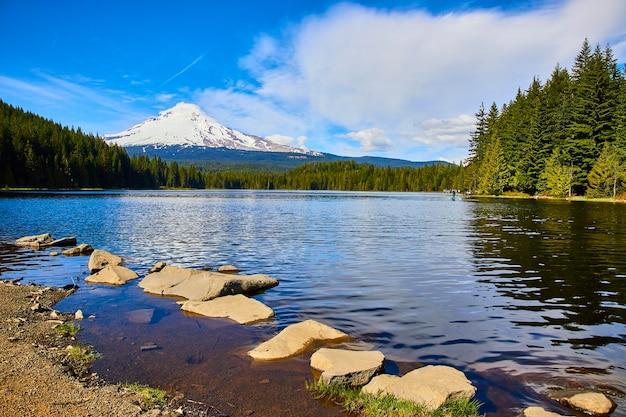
x,y
36,378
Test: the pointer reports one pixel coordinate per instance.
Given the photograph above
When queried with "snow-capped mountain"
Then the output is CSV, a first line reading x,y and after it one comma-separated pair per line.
x,y
187,125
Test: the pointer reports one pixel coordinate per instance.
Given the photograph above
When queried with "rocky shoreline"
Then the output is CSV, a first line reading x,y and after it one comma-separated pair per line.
x,y
225,294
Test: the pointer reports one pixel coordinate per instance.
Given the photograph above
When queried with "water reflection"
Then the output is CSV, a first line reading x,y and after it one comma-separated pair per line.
x,y
515,293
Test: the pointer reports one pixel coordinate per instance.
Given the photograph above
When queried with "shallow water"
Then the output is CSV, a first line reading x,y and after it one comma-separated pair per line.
x,y
523,296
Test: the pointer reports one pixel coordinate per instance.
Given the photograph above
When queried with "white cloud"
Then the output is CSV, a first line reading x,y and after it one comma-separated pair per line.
x,y
371,140
288,140
397,75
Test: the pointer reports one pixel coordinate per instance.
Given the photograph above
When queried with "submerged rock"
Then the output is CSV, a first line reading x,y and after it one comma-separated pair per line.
x,y
141,316
203,285
431,386
296,339
238,307
101,258
113,275
347,367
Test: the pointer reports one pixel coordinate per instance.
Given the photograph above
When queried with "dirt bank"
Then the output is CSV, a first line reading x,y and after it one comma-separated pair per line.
x,y
39,378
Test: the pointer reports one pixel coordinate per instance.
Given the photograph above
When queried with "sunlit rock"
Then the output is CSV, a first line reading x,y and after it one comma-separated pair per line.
x,y
100,258
44,240
431,386
347,367
296,339
228,269
82,249
594,403
539,412
112,275
157,267
203,285
238,307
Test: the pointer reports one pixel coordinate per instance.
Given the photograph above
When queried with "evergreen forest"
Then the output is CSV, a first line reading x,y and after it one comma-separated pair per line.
x,y
40,154
563,137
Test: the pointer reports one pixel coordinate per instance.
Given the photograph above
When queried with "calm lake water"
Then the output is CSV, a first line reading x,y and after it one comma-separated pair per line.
x,y
526,297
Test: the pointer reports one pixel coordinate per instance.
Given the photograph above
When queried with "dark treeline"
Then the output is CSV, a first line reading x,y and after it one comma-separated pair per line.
x,y
566,136
38,153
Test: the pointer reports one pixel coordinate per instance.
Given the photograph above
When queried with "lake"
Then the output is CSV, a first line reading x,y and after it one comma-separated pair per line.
x,y
527,297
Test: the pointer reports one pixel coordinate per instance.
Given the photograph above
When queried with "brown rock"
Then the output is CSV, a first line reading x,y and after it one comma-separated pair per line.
x,y
594,403
238,307
431,386
83,249
100,258
296,339
347,367
113,275
539,412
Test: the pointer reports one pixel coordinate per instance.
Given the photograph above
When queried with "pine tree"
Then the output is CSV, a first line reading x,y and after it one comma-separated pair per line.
x,y
607,173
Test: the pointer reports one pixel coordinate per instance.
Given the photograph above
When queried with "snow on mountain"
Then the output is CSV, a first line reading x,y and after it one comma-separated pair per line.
x,y
187,125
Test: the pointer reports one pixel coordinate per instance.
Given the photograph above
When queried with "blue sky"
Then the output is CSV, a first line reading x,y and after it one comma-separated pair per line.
x,y
388,78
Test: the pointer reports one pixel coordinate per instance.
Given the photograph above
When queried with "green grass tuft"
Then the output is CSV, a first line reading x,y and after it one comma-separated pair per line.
x,y
151,397
354,401
67,329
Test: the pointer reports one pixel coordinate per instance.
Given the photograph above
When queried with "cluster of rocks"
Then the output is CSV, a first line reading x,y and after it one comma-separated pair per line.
x,y
223,294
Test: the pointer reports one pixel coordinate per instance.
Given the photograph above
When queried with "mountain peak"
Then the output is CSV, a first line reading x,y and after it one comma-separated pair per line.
x,y
187,124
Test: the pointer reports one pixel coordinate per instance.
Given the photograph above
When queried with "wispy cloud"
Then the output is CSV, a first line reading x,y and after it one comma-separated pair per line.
x,y
181,72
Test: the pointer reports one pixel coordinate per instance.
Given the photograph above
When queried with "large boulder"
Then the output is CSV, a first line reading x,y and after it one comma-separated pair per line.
x,y
431,386
296,339
112,275
538,412
347,367
101,258
203,285
237,307
593,403
83,249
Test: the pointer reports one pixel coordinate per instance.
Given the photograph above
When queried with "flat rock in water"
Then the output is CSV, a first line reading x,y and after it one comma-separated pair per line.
x,y
83,249
167,277
347,367
112,275
238,307
594,403
203,285
35,241
431,386
296,339
101,258
539,412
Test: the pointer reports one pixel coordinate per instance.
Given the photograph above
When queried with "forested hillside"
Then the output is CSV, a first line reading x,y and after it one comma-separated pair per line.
x,y
38,153
565,136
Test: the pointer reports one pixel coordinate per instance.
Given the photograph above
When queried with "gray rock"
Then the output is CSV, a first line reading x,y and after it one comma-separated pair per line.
x,y
347,367
100,258
296,339
431,386
65,241
82,249
112,275
238,307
